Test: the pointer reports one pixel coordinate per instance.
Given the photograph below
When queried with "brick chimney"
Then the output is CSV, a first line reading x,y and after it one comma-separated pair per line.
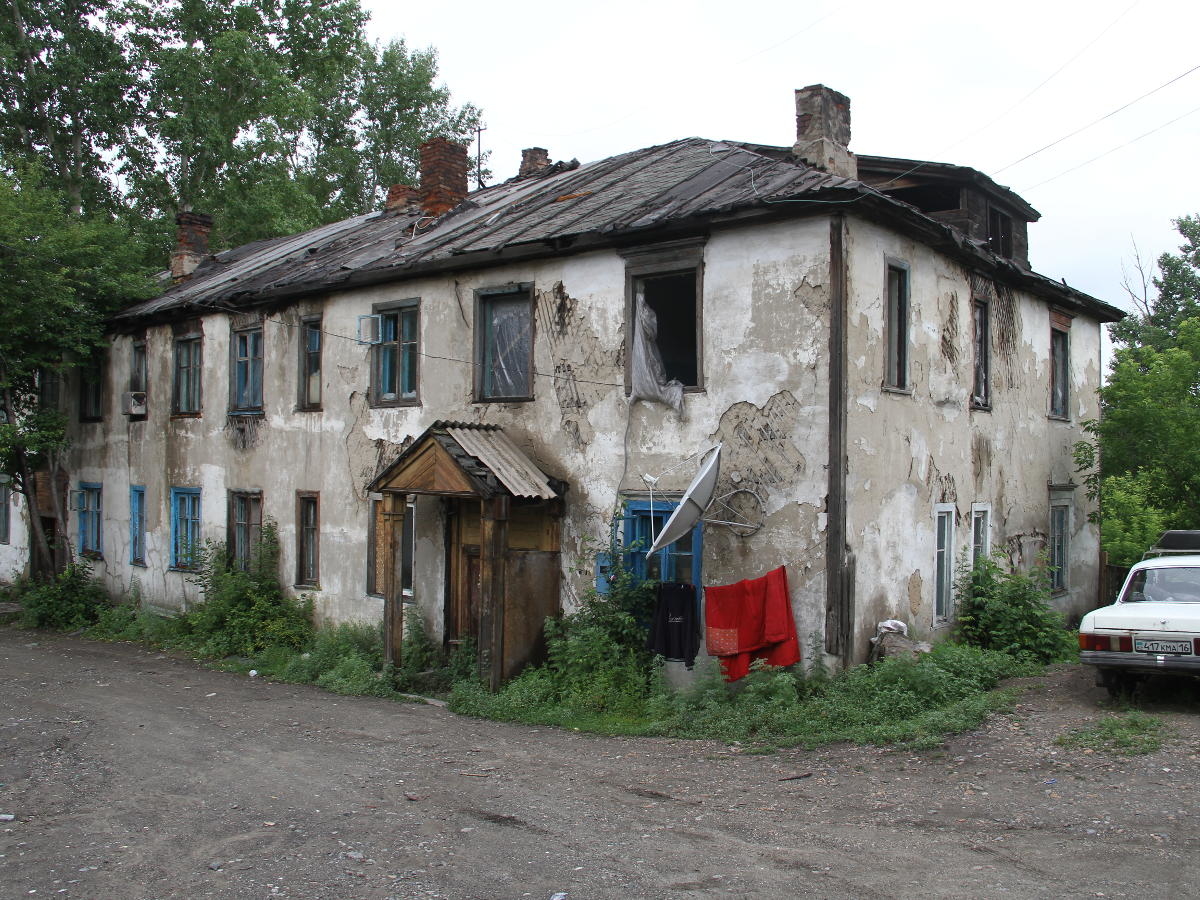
x,y
191,244
533,160
823,130
443,175
400,197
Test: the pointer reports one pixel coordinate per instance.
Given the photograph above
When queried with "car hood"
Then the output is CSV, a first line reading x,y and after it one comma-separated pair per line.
x,y
1146,616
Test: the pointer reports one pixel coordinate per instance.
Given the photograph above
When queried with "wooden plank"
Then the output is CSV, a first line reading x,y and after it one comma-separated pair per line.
x,y
493,543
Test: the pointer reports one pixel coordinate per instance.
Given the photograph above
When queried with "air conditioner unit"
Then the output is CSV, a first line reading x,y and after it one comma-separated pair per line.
x,y
369,329
133,403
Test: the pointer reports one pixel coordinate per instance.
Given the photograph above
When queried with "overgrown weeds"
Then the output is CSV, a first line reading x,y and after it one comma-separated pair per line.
x,y
71,600
1011,612
1128,734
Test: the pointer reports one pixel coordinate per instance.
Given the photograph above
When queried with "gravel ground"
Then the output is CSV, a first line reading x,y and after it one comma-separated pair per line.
x,y
135,774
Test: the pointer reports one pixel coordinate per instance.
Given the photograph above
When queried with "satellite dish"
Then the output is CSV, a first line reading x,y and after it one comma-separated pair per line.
x,y
693,504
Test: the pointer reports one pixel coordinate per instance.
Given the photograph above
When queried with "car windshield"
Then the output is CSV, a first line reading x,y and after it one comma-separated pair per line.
x,y
1170,585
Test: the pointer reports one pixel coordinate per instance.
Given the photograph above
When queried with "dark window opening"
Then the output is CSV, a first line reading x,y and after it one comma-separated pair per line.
x,y
1059,371
929,198
245,527
310,364
91,393
897,328
308,539
672,298
981,390
1000,232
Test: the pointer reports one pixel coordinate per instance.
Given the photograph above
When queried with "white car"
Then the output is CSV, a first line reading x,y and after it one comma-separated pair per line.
x,y
1155,624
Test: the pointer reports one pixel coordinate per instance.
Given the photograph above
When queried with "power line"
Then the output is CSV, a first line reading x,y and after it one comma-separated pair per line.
x,y
1097,121
1115,149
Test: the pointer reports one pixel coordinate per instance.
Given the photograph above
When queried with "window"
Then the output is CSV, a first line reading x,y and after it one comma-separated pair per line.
x,y
47,383
504,344
896,327
307,538
981,537
394,368
981,397
138,378
185,527
1000,232
137,525
679,562
671,298
1060,369
5,513
247,380
944,568
91,392
186,388
88,504
310,364
245,527
1060,526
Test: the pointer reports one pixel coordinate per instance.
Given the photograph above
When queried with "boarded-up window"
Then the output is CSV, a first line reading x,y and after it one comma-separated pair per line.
x,y
376,551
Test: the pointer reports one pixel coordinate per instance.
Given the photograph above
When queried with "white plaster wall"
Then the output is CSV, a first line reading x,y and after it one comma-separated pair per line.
x,y
765,348
14,555
910,451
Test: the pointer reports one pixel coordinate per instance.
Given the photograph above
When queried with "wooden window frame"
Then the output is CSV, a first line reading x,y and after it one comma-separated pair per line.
x,y
305,368
403,349
184,547
1060,366
189,403
241,557
244,368
308,579
897,377
137,525
484,300
672,258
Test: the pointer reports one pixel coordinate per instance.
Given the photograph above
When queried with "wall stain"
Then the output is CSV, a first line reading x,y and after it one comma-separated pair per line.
x,y
584,369
950,330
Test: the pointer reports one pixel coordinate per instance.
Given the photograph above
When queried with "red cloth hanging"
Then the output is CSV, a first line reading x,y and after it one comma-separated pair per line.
x,y
751,620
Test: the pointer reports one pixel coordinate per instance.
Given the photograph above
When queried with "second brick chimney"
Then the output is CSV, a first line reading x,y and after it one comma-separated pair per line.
x,y
823,130
191,244
444,167
533,160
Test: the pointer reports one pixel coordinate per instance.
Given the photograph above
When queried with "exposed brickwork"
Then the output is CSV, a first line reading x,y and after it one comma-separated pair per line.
x,y
191,243
533,160
399,197
444,167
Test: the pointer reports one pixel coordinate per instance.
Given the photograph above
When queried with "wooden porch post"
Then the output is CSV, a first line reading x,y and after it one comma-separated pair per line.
x,y
393,606
493,551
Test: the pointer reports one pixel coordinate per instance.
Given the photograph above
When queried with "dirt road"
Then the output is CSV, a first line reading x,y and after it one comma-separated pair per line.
x,y
132,774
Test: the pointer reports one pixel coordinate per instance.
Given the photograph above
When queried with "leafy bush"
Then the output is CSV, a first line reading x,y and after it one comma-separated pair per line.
x,y
71,600
331,647
244,612
1011,612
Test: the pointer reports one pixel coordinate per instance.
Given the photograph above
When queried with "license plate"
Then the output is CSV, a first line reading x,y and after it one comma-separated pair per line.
x,y
1149,645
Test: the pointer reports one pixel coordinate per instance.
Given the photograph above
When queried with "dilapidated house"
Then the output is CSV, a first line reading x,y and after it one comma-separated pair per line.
x,y
436,403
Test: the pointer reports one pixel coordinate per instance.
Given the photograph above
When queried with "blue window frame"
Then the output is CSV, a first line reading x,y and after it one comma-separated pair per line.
x,y
137,525
185,527
679,562
88,505
247,370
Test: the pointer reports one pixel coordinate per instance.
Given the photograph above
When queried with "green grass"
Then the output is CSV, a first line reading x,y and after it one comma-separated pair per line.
x,y
1123,734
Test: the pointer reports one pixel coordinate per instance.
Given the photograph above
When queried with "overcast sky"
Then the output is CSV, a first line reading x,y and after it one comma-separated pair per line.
x,y
975,84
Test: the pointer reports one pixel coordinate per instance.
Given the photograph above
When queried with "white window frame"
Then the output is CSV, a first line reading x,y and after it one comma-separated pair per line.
x,y
983,510
943,563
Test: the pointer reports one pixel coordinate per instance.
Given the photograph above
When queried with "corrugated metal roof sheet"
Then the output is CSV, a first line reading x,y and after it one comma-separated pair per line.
x,y
495,449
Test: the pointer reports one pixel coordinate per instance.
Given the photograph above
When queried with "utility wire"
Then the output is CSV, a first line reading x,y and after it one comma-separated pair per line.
x,y
1115,149
1098,121
1044,82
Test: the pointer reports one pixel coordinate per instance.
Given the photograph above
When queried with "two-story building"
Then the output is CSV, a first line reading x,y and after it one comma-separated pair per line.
x,y
444,404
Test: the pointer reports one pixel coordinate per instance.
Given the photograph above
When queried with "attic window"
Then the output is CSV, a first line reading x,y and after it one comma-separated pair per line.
x,y
1000,232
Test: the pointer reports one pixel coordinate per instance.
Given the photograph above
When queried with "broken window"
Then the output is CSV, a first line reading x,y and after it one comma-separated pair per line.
x,y
504,344
137,525
245,527
138,377
672,300
310,364
307,538
944,563
88,504
1060,525
1060,367
981,397
896,328
186,388
185,527
395,356
247,380
1000,232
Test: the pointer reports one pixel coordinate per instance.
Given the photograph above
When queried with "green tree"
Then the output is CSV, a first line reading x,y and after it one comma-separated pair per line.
x,y
62,274
1177,295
